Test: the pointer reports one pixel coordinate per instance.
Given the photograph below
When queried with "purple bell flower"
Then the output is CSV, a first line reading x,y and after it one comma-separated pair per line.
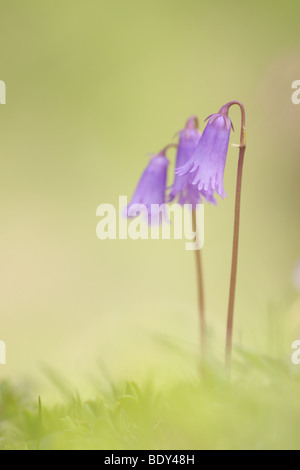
x,y
206,168
151,190
188,140
182,189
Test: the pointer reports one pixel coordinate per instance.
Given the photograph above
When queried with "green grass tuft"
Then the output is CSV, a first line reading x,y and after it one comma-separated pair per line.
x,y
259,409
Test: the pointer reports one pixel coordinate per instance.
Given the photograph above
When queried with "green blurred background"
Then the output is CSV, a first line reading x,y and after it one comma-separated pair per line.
x,y
94,86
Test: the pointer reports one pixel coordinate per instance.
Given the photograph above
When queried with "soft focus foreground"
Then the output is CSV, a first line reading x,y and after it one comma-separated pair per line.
x,y
261,411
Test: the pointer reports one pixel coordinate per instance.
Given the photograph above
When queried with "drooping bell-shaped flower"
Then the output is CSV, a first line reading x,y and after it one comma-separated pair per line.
x,y
150,192
206,167
188,140
182,189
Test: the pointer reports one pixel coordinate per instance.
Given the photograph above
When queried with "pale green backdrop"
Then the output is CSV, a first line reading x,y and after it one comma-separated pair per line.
x,y
92,87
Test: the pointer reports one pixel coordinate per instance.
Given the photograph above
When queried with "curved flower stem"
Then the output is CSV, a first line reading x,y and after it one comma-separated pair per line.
x,y
234,263
201,301
165,149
